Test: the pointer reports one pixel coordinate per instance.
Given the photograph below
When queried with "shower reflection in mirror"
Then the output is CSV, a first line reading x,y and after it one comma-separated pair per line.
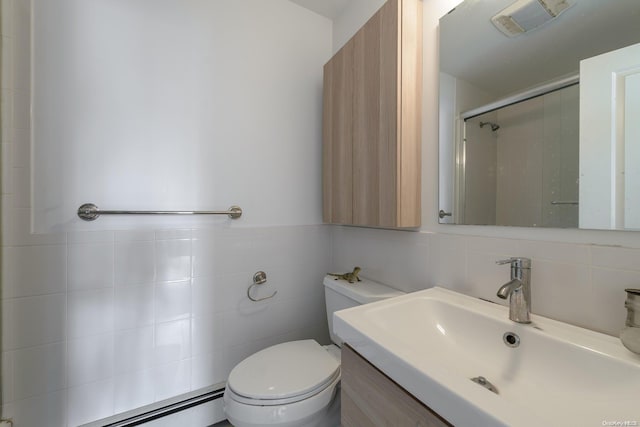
x,y
484,65
520,163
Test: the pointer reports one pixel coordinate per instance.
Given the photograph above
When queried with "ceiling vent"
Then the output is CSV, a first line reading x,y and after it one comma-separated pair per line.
x,y
526,15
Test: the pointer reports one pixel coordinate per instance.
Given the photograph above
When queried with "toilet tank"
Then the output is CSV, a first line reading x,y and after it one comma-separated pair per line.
x,y
340,294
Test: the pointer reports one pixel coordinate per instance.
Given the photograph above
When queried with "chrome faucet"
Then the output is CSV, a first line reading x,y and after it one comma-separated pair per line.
x,y
518,289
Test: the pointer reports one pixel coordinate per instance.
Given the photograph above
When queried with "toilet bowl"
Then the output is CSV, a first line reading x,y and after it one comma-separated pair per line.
x,y
297,383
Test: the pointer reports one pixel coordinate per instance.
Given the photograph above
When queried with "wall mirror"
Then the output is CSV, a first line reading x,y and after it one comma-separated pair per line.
x,y
524,140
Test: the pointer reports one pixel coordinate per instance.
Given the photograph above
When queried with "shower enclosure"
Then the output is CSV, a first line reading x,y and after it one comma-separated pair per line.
x,y
521,163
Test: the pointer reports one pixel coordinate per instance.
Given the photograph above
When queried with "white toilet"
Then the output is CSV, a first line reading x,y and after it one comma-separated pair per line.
x,y
296,383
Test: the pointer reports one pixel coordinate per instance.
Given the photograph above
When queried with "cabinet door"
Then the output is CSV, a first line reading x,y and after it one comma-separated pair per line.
x,y
389,112
371,151
370,398
386,117
338,138
409,101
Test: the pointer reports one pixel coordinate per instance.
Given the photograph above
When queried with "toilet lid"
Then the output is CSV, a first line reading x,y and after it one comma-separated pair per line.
x,y
284,371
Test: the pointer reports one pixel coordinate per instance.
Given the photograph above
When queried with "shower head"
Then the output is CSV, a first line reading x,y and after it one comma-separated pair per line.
x,y
494,126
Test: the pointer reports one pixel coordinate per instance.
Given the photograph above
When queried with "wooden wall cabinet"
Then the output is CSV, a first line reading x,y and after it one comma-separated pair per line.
x,y
370,398
372,102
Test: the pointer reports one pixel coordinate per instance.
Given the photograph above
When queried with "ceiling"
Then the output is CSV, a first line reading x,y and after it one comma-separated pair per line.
x,y
329,8
473,50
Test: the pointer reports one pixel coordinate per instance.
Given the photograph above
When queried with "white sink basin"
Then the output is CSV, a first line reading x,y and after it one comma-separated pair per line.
x,y
433,342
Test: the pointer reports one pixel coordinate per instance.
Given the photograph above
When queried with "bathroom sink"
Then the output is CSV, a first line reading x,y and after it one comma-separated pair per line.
x,y
433,342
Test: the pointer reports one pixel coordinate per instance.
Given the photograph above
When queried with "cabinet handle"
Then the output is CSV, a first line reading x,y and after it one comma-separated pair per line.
x,y
442,214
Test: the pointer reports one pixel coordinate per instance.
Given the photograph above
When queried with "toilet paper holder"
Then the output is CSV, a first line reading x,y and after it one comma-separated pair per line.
x,y
259,278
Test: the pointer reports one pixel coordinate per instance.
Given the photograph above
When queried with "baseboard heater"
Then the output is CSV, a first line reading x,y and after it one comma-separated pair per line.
x,y
165,408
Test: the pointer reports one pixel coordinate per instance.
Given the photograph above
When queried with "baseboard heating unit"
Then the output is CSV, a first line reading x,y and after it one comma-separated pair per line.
x,y
174,407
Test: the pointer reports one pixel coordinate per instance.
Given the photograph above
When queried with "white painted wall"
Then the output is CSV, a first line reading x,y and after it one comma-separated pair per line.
x,y
163,105
352,18
98,322
447,131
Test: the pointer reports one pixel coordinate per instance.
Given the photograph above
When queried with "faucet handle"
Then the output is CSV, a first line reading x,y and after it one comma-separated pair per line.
x,y
520,262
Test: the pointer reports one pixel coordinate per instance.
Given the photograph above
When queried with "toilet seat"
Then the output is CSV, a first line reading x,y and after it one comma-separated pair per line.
x,y
283,374
314,411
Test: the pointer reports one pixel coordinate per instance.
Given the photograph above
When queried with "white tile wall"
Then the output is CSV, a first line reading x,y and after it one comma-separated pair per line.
x,y
173,300
93,339
21,279
90,359
581,284
90,312
134,262
48,409
173,259
120,321
134,307
135,350
38,370
90,266
35,321
133,390
90,401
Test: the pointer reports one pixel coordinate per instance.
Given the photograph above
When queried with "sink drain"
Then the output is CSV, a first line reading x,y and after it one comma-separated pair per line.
x,y
485,383
511,339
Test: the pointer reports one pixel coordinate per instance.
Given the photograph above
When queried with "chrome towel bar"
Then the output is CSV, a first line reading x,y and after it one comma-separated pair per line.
x,y
564,202
90,212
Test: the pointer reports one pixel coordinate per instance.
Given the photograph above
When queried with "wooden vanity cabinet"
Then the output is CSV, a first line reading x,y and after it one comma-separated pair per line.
x,y
372,99
370,398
